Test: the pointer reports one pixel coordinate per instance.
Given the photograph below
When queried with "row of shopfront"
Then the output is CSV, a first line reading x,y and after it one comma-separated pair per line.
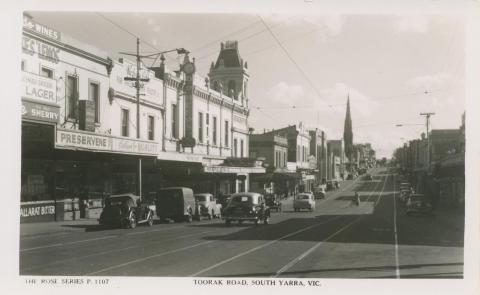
x,y
66,171
78,117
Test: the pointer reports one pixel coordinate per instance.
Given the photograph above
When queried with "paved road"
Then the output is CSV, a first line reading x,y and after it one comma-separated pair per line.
x,y
338,240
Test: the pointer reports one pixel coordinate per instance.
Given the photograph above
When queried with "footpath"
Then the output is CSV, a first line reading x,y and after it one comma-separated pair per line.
x,y
56,227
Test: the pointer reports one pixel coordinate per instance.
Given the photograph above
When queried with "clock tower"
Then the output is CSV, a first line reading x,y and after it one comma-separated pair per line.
x,y
231,71
188,68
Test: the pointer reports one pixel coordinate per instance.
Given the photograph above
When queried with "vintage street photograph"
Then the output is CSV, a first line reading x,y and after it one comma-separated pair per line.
x,y
242,145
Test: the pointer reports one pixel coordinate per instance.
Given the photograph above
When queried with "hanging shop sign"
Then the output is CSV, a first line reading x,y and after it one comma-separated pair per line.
x,y
40,112
43,30
39,88
43,50
98,142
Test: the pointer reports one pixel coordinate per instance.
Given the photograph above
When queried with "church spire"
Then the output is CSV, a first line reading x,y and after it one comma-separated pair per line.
x,y
347,131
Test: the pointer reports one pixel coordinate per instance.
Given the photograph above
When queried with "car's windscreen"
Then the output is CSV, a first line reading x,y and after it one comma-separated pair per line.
x,y
201,198
119,201
303,197
241,200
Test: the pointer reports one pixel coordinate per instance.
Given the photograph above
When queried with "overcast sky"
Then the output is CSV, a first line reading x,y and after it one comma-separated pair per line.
x,y
392,66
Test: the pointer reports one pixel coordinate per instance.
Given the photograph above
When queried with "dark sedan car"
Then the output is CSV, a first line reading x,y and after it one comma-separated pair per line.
x,y
125,210
247,207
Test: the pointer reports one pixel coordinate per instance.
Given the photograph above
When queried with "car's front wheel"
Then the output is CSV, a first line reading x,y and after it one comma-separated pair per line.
x,y
150,219
132,221
266,220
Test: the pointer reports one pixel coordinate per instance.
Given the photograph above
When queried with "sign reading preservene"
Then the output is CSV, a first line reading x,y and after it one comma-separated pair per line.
x,y
39,88
98,142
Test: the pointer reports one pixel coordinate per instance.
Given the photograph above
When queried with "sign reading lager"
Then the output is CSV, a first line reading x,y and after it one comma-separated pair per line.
x,y
39,88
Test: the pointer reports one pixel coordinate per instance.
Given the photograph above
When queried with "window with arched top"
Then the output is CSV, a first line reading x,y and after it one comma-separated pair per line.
x,y
232,89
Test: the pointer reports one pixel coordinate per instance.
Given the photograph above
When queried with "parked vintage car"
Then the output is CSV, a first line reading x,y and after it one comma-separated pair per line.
x,y
404,194
208,205
177,204
418,204
125,210
330,185
368,177
319,192
273,202
247,207
304,201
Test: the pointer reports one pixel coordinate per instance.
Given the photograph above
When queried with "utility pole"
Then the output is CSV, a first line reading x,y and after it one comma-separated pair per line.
x,y
427,117
137,80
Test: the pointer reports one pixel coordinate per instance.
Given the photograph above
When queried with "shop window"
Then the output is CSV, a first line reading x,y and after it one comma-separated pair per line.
x,y
235,151
214,119
200,127
151,127
226,133
241,148
125,120
46,72
94,95
174,121
72,97
207,126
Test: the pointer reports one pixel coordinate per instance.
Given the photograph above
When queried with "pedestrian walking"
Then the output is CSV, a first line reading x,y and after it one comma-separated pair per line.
x,y
356,199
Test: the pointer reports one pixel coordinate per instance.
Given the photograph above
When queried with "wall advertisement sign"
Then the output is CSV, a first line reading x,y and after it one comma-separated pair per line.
x,y
45,31
44,50
151,90
37,211
40,112
98,142
39,88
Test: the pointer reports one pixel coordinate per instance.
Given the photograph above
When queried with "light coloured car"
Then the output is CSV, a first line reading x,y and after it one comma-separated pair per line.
x,y
208,205
304,201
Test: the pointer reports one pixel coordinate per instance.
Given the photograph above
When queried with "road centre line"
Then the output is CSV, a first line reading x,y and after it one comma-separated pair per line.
x,y
67,243
111,251
397,271
262,246
309,251
148,257
271,242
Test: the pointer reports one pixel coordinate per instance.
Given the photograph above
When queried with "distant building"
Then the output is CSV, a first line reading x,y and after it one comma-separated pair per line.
x,y
336,158
318,148
272,148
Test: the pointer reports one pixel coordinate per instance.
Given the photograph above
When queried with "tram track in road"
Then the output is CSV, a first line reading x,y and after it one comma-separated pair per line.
x,y
107,252
176,248
262,246
302,256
